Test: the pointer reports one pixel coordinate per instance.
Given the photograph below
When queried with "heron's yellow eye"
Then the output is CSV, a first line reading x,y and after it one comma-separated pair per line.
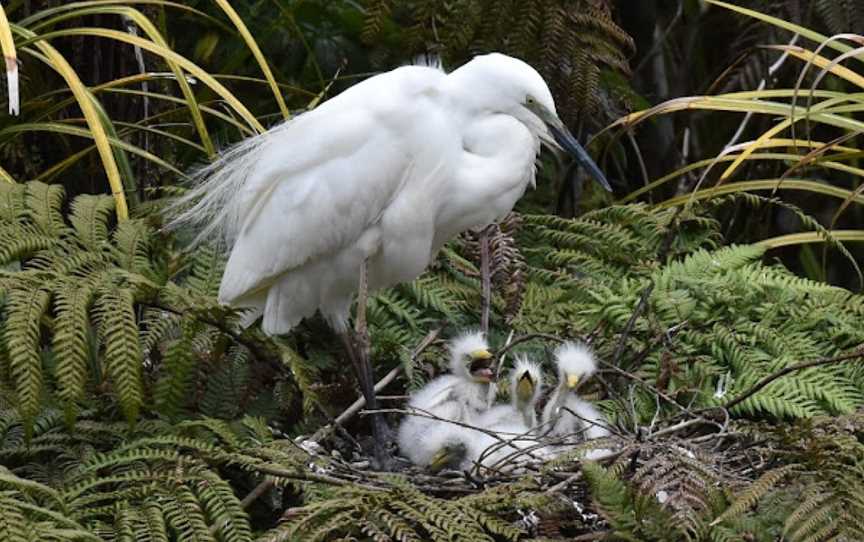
x,y
529,100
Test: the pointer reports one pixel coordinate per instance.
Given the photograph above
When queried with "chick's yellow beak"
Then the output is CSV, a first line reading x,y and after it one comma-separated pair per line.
x,y
525,388
480,354
572,381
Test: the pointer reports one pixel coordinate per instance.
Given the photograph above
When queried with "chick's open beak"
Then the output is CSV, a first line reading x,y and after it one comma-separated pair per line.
x,y
572,381
525,387
481,365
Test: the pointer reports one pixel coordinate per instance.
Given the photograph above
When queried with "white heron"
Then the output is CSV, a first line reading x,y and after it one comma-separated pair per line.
x,y
459,396
567,415
372,183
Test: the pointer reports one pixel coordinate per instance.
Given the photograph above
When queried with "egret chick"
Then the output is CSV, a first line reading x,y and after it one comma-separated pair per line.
x,y
567,415
526,386
512,425
460,396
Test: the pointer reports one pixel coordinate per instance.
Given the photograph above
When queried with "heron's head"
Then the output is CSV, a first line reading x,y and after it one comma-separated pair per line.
x,y
575,364
526,382
508,85
470,357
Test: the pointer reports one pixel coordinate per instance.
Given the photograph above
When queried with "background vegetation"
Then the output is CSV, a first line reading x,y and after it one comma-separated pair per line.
x,y
720,288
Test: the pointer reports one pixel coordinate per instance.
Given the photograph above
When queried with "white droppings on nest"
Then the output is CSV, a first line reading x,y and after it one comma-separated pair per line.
x,y
318,469
310,446
587,517
528,519
722,385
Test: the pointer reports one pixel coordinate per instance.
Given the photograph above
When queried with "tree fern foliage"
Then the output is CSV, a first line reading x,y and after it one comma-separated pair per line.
x,y
572,44
88,307
133,406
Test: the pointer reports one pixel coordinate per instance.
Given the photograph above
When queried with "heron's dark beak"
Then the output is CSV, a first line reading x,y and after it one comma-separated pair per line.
x,y
564,138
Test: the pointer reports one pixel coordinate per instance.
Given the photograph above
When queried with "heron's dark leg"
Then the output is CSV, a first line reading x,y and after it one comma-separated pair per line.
x,y
486,277
358,346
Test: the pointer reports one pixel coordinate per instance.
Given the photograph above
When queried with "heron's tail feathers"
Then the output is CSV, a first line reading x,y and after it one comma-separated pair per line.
x,y
211,206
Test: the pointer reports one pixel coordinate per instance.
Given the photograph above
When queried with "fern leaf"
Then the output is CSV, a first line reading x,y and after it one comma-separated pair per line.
x,y
756,491
12,522
43,205
119,333
25,309
70,342
89,217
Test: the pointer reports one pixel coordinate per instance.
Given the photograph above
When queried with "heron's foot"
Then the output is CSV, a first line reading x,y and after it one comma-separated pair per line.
x,y
382,444
448,457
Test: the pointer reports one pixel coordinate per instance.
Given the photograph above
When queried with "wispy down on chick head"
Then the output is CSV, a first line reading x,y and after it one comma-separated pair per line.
x,y
575,364
566,414
526,385
470,357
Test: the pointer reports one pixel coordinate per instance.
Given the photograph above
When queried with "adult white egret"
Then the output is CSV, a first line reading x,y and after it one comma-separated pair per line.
x,y
377,179
459,396
566,414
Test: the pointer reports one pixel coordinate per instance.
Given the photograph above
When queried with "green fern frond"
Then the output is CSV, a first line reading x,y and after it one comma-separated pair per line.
x,y
43,203
115,313
132,240
178,369
90,216
72,303
24,312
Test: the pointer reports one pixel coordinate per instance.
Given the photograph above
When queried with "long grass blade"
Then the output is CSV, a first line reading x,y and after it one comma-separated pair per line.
x,y
43,17
71,160
156,37
780,23
119,153
811,237
811,113
65,129
5,176
85,101
228,119
168,55
7,45
764,184
821,62
827,162
256,51
113,86
722,103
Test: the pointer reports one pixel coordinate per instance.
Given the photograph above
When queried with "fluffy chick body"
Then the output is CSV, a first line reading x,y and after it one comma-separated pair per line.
x,y
567,415
459,397
512,424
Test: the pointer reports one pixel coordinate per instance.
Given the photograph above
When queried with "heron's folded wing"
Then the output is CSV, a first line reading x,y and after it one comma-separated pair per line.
x,y
316,186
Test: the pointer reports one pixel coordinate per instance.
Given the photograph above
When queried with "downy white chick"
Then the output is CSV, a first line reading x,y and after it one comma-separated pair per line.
x,y
526,386
460,396
512,423
575,364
